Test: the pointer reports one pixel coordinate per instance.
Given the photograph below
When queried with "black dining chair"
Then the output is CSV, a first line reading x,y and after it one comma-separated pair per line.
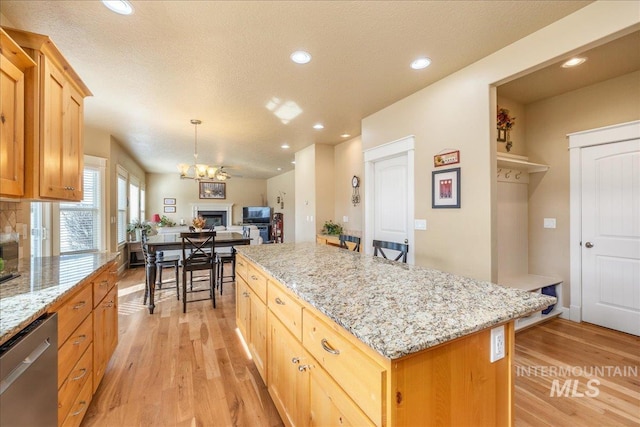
x,y
379,245
228,256
344,238
162,262
198,254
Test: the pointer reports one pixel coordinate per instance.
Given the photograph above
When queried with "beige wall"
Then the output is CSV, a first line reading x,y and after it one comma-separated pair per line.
x,y
239,191
348,161
548,122
459,112
314,190
284,186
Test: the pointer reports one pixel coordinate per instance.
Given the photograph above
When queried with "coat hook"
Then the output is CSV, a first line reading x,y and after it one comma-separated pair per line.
x,y
518,175
506,175
499,170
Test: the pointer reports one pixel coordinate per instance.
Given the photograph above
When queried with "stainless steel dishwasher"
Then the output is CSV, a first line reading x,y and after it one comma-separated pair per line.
x,y
29,376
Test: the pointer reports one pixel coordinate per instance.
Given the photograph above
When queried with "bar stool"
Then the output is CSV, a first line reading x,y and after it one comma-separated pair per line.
x,y
198,254
379,245
162,262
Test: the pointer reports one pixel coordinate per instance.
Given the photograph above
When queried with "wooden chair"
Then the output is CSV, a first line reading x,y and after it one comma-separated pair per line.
x,y
228,256
344,238
198,254
162,262
379,245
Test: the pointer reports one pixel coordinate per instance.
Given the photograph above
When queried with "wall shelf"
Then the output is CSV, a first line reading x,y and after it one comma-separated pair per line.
x,y
512,161
534,283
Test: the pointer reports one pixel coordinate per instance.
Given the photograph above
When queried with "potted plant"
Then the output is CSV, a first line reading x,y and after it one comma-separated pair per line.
x,y
166,222
331,228
135,228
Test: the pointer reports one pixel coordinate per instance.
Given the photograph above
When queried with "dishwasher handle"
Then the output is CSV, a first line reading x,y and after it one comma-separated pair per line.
x,y
24,365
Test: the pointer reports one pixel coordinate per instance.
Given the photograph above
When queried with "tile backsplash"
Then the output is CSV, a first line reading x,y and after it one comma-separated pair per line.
x,y
14,219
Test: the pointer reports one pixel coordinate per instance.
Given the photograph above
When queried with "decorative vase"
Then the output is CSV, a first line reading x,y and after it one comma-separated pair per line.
x,y
138,234
198,229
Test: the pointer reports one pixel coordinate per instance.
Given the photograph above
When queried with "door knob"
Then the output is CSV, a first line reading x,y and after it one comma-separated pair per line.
x,y
589,245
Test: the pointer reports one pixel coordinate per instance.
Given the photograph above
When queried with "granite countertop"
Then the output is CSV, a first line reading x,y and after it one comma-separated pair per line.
x,y
42,282
396,309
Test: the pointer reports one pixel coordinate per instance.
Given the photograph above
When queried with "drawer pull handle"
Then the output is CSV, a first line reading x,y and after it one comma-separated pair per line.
x,y
84,372
104,283
83,405
245,294
253,277
79,305
303,368
109,304
279,301
295,360
327,347
80,339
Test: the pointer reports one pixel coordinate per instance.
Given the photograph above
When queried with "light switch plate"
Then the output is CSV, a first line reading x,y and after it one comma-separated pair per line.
x,y
345,219
420,224
549,223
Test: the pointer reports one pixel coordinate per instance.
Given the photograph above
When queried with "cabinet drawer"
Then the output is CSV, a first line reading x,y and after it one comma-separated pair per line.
x,y
79,407
330,405
257,282
360,376
288,310
73,312
102,283
241,266
74,348
73,384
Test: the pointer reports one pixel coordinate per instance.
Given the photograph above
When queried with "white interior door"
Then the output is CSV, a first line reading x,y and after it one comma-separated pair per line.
x,y
611,235
390,204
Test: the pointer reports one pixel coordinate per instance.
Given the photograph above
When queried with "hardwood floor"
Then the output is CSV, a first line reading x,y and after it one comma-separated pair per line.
x,y
175,369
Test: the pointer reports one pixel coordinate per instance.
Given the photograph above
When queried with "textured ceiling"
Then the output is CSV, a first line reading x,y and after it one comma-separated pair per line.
x,y
223,62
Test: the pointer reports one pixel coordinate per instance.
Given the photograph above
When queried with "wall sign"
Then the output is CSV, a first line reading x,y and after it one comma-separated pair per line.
x,y
445,159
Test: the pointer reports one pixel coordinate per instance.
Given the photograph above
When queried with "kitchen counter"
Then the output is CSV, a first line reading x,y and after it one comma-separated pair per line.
x,y
42,282
396,309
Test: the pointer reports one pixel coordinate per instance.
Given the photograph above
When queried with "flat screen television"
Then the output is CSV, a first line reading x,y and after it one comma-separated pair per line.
x,y
256,215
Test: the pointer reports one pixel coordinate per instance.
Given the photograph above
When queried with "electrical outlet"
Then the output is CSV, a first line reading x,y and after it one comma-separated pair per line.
x,y
497,344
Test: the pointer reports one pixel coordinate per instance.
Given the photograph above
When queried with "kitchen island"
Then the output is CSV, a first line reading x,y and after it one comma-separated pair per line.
x,y
376,342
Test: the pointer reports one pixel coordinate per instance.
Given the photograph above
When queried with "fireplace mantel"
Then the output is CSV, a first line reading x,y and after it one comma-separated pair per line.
x,y
210,206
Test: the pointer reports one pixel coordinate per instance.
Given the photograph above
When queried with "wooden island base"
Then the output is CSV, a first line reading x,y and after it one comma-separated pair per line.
x,y
320,374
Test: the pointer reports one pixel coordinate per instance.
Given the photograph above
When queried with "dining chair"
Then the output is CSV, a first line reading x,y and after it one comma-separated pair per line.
x,y
379,245
198,254
227,255
162,262
344,238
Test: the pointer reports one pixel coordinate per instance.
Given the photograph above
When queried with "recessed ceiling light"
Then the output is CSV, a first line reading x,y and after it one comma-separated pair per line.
x,y
318,126
293,162
123,7
300,57
279,169
420,63
285,146
573,62
345,135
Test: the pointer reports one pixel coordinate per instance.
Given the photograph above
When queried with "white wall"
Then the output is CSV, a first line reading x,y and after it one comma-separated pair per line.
x,y
284,185
459,112
348,161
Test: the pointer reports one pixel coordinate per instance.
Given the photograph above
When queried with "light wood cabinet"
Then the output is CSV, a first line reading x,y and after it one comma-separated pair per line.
x,y
288,374
105,322
87,337
13,64
251,315
54,106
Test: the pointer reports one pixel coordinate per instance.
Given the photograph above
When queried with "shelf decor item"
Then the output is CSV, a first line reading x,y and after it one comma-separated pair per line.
x,y
446,189
505,123
199,223
331,228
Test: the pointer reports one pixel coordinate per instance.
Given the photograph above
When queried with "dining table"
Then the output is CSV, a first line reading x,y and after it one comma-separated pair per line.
x,y
173,241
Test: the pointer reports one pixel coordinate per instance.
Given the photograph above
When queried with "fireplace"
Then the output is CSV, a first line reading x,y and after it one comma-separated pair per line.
x,y
215,214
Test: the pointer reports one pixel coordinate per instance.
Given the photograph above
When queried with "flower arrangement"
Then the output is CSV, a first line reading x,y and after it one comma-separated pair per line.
x,y
505,121
199,222
166,222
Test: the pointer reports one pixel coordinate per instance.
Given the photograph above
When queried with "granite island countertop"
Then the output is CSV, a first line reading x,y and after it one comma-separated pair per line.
x,y
42,282
396,309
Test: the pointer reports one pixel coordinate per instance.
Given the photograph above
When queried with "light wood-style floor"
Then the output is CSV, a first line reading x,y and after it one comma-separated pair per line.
x,y
175,369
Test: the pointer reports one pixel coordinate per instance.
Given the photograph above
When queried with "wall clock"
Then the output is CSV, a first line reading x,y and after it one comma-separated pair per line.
x,y
355,197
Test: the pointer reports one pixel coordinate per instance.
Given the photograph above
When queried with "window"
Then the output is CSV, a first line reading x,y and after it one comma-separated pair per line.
x,y
81,224
122,206
134,200
143,210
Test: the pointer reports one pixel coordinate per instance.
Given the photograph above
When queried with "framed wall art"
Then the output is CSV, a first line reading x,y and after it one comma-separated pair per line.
x,y
445,159
445,188
213,190
169,201
169,209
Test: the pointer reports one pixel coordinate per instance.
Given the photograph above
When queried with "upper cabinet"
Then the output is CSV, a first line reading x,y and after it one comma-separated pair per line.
x,y
13,64
54,112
